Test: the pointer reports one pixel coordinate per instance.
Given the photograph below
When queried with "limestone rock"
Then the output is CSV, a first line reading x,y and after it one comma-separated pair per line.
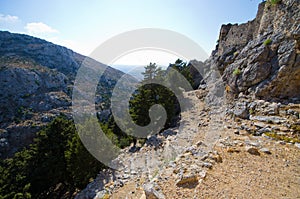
x,y
241,111
249,65
152,193
154,141
265,150
252,150
187,180
268,119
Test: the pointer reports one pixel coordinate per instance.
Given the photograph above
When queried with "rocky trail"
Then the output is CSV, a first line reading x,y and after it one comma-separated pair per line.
x,y
181,163
146,164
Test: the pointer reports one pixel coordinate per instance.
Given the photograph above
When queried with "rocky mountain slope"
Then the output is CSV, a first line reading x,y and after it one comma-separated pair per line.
x,y
262,56
241,144
36,80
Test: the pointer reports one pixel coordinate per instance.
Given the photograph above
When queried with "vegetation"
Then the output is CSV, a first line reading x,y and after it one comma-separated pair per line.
x,y
282,137
115,134
267,42
236,71
57,164
274,2
296,128
184,70
150,94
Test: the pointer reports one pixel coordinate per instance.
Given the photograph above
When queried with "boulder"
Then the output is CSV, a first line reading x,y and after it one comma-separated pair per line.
x,y
151,192
252,150
187,180
241,111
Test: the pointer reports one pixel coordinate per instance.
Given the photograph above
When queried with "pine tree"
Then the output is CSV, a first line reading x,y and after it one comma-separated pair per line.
x,y
150,94
183,69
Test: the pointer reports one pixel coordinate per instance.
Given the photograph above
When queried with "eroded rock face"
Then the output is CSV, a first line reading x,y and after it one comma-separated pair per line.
x,y
263,55
23,88
27,95
36,83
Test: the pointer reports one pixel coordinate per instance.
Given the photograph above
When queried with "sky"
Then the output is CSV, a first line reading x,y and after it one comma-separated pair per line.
x,y
82,25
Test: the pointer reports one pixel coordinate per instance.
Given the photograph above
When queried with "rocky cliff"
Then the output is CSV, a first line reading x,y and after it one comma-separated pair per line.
x,y
36,80
262,55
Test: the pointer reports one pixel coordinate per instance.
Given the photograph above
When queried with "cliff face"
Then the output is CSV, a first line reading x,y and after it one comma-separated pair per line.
x,y
234,35
262,55
36,82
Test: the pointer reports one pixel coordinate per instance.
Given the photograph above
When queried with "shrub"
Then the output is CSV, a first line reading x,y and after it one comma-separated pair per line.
x,y
274,2
267,42
296,128
236,71
282,137
251,111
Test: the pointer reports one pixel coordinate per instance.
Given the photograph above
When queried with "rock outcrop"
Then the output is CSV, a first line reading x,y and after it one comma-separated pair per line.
x,y
262,56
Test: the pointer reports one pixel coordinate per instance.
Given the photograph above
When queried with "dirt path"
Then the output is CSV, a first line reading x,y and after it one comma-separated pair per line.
x,y
239,166
243,175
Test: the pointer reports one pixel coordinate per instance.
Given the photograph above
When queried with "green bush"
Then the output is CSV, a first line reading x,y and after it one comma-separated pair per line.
x,y
236,71
274,2
267,42
285,138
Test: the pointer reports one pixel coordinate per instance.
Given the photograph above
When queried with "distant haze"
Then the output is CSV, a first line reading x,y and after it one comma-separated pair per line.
x,y
133,63
133,70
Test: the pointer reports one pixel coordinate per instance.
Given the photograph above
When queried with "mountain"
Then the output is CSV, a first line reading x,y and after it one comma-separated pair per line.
x,y
36,82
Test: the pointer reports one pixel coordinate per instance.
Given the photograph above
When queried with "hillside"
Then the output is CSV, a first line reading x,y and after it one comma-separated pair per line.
x,y
240,139
36,82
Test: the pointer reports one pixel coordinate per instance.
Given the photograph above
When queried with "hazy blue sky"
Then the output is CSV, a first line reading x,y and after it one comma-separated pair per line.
x,y
83,25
